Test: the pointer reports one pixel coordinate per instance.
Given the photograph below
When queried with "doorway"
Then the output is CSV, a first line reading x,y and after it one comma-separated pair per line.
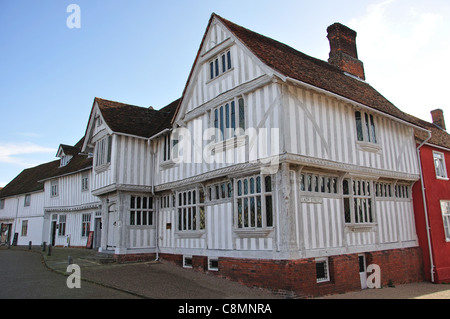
x,y
362,270
113,227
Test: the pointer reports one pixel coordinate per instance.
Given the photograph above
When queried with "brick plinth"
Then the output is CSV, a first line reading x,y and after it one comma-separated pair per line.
x,y
397,266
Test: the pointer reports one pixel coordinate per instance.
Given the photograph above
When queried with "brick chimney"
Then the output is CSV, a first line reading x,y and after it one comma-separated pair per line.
x,y
438,118
343,52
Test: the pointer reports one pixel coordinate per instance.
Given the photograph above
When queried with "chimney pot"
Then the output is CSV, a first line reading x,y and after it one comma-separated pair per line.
x,y
438,118
343,53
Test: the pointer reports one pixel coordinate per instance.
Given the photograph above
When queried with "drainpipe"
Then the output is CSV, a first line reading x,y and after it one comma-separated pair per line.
x,y
425,208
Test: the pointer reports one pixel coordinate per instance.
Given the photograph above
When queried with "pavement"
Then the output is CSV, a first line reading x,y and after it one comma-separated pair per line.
x,y
164,280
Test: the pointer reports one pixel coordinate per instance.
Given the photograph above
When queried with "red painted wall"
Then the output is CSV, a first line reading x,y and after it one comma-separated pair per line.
x,y
435,191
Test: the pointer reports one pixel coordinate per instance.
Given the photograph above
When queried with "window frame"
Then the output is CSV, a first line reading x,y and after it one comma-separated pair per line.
x,y
27,200
103,152
358,202
439,156
244,218
84,182
54,188
325,261
190,211
445,211
219,64
228,120
62,220
85,224
24,229
140,215
366,131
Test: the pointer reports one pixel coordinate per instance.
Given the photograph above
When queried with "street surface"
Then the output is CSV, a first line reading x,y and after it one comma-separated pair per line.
x,y
24,276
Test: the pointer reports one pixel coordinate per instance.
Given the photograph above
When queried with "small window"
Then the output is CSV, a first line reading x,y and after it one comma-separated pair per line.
x,y
439,165
54,189
219,65
322,273
225,118
103,151
85,182
141,211
187,261
365,127
27,200
24,228
213,264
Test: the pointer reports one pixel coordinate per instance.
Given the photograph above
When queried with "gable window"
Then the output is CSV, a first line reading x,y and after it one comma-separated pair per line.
x,y
445,208
229,120
141,211
103,151
54,191
439,165
191,210
27,200
253,202
85,182
65,160
365,127
358,203
219,65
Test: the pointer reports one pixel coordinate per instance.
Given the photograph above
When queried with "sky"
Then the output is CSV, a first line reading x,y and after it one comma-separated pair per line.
x,y
140,52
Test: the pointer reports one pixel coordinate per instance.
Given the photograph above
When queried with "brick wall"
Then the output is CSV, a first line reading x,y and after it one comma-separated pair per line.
x,y
398,266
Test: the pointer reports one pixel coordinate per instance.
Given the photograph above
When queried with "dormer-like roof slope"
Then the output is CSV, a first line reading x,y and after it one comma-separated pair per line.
x,y
131,119
439,137
296,65
28,180
299,66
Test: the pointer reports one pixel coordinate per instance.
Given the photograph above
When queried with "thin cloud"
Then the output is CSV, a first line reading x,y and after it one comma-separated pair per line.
x,y
14,153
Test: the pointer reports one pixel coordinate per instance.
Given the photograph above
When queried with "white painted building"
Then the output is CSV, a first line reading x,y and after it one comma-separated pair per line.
x,y
270,158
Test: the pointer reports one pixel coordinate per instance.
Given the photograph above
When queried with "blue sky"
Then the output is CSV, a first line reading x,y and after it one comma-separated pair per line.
x,y
140,52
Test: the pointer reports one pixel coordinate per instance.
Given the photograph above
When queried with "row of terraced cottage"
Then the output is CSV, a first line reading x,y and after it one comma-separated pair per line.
x,y
274,169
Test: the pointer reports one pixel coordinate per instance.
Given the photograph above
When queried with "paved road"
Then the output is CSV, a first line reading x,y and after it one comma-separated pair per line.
x,y
24,276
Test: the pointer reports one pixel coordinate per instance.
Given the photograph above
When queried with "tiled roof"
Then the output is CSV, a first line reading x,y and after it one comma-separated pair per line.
x,y
299,66
439,137
132,119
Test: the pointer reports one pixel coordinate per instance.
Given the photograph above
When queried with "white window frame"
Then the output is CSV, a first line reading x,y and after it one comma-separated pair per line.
x,y
227,123
244,218
191,211
141,211
219,65
187,261
85,224
24,231
85,182
54,188
325,261
212,260
62,220
366,131
27,200
440,169
445,209
103,152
